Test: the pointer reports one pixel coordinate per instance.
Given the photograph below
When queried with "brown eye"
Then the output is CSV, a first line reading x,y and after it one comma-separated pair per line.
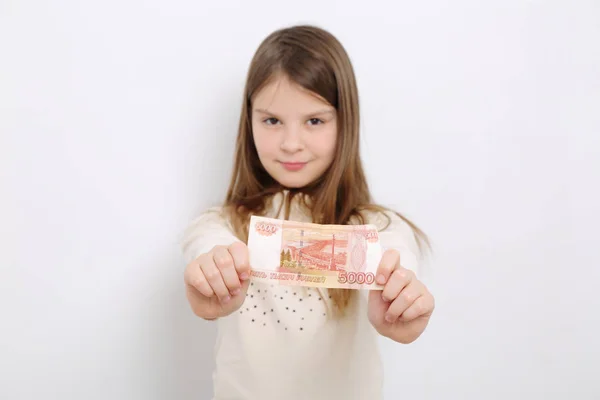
x,y
315,121
271,121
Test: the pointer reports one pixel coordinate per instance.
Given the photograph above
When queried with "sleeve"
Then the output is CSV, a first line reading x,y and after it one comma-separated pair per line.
x,y
205,232
400,236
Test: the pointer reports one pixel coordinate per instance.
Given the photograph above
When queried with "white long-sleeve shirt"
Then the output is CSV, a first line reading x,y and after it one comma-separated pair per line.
x,y
282,344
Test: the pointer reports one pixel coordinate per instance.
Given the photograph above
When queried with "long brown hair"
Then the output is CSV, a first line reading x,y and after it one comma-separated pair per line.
x,y
314,59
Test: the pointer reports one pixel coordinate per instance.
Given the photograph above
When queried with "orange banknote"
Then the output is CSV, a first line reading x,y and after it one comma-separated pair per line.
x,y
306,254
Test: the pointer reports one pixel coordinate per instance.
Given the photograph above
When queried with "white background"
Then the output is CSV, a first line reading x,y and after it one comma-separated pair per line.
x,y
481,122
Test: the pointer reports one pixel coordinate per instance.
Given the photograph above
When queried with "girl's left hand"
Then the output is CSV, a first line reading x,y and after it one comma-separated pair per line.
x,y
402,310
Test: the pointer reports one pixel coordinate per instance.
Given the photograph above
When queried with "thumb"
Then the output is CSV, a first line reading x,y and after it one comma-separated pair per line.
x,y
237,300
245,286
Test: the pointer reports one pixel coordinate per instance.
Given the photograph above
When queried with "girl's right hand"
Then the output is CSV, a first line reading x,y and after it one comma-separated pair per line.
x,y
217,281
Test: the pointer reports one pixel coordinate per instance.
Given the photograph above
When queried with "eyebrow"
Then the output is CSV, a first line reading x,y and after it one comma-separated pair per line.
x,y
327,111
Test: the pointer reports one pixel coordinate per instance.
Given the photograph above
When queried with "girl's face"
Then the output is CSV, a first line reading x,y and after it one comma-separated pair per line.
x,y
295,132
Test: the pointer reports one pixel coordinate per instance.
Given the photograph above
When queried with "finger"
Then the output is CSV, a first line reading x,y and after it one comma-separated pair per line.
x,y
215,279
399,279
389,261
421,306
224,263
241,260
403,301
195,278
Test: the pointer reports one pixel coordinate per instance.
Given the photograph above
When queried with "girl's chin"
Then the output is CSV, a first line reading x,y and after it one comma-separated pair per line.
x,y
293,182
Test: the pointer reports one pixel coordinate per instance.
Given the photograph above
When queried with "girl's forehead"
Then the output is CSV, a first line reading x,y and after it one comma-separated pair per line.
x,y
281,95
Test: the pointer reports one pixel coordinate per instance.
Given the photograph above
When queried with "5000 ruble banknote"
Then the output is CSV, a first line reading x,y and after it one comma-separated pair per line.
x,y
305,254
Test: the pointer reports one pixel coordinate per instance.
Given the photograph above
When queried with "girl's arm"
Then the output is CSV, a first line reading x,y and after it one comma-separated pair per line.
x,y
402,310
217,269
205,232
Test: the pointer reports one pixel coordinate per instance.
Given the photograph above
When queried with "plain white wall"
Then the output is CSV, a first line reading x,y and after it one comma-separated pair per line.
x,y
480,123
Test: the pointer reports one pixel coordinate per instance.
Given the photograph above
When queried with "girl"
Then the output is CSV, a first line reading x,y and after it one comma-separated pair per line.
x,y
298,158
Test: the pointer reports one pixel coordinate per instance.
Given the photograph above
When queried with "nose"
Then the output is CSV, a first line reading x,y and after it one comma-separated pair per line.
x,y
292,140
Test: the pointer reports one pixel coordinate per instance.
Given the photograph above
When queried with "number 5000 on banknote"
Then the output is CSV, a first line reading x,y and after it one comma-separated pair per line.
x,y
306,254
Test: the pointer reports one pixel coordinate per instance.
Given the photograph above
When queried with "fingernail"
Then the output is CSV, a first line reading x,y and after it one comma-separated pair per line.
x,y
244,275
384,298
380,279
226,299
389,318
235,292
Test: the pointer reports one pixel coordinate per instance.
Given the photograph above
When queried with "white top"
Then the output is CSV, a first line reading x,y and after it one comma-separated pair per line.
x,y
282,344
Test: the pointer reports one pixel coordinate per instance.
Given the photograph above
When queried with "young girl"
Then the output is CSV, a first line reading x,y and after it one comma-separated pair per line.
x,y
298,159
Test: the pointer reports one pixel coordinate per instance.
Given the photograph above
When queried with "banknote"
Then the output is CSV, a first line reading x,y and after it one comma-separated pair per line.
x,y
307,254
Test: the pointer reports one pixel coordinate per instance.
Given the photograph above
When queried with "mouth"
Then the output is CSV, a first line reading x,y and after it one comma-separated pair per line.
x,y
293,166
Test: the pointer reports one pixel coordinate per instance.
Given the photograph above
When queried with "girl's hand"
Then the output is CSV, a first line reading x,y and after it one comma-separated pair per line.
x,y
217,281
401,311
